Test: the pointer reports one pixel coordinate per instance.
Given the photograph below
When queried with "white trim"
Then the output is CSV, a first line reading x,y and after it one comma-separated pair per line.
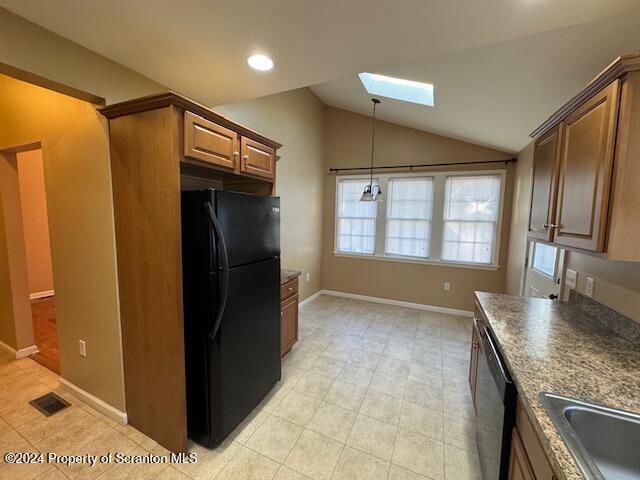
x,y
19,354
27,352
94,402
398,303
310,299
435,263
45,294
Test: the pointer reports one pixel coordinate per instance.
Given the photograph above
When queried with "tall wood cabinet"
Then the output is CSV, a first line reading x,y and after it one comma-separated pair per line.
x,y
156,142
585,164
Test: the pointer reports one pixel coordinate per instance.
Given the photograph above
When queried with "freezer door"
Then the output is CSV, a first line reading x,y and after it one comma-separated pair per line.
x,y
245,354
250,225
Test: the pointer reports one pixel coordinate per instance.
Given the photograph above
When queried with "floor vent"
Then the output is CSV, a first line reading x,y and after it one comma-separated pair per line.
x,y
49,404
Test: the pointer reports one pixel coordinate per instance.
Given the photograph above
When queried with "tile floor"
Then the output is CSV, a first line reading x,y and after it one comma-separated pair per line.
x,y
369,392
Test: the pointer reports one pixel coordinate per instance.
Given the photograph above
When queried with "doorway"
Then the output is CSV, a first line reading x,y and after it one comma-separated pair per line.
x,y
544,271
25,195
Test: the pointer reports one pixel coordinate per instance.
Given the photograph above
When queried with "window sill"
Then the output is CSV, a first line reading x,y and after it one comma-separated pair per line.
x,y
437,263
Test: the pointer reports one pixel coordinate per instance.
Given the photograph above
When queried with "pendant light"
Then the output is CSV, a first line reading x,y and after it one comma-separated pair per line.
x,y
372,193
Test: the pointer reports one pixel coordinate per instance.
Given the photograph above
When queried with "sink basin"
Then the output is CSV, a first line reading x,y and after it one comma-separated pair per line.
x,y
604,441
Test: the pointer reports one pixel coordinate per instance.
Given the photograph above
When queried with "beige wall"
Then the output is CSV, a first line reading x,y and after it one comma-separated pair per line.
x,y
295,119
29,47
519,222
348,142
33,205
617,284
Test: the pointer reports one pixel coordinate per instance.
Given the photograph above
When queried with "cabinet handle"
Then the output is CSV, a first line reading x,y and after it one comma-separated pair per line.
x,y
236,153
245,157
550,225
281,313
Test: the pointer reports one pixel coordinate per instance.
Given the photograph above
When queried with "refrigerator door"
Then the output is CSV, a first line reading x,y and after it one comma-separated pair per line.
x,y
244,356
250,225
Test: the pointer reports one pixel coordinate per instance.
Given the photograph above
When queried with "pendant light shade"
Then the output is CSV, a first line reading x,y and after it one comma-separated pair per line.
x,y
372,192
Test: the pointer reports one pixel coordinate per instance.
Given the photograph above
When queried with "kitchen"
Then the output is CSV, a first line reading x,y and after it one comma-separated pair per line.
x,y
329,337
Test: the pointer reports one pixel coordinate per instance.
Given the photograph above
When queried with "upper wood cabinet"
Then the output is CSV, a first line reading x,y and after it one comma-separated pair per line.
x,y
586,165
210,142
257,159
545,181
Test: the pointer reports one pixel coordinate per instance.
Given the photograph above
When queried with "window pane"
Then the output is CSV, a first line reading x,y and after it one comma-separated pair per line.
x,y
409,207
471,206
356,225
544,259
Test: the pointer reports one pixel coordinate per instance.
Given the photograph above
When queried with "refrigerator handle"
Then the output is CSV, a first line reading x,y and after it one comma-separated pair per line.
x,y
224,270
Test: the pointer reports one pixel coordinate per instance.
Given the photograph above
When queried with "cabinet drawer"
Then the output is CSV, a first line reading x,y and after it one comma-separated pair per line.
x,y
257,159
288,289
288,324
210,142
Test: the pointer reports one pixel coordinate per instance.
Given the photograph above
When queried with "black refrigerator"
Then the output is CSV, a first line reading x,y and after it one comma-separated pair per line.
x,y
231,269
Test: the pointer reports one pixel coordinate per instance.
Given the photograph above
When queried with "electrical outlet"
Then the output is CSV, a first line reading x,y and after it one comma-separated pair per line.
x,y
308,277
588,287
446,286
571,278
83,348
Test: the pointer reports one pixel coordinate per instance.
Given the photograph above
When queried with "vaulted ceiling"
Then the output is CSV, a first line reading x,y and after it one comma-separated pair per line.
x,y
499,66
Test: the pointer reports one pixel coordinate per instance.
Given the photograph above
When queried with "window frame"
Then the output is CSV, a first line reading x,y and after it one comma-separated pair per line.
x,y
437,219
555,262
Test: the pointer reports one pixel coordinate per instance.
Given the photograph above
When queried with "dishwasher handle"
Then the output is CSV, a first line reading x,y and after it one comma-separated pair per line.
x,y
496,365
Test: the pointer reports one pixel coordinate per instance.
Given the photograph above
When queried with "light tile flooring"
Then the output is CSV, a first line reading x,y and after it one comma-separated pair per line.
x,y
369,392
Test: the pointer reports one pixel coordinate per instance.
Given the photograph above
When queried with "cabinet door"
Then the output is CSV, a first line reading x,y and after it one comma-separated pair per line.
x,y
519,468
546,157
288,324
210,142
257,159
585,173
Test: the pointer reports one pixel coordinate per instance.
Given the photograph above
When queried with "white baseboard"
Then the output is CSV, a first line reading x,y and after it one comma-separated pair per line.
x,y
94,402
45,294
26,352
311,298
19,354
399,303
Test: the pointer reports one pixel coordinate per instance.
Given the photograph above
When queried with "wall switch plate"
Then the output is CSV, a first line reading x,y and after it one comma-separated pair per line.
x,y
588,287
83,348
571,278
308,277
446,286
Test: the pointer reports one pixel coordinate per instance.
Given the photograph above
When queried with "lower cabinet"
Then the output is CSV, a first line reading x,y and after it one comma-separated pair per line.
x,y
288,316
519,467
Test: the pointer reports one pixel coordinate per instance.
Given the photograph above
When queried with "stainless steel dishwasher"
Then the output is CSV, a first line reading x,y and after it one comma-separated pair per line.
x,y
496,406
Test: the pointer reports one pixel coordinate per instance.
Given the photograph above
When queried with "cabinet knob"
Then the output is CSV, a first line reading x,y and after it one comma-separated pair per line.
x,y
236,153
290,289
474,344
245,157
281,313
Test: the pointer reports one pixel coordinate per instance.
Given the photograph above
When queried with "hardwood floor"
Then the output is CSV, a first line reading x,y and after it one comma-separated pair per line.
x,y
45,331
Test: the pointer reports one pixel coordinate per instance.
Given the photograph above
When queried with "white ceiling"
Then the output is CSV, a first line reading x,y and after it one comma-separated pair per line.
x,y
496,95
199,48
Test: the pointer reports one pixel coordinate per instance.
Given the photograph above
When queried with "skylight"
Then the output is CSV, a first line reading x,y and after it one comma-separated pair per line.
x,y
398,88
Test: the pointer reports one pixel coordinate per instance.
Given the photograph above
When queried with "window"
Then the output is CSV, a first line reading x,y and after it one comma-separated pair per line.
x,y
544,259
398,88
439,217
356,220
409,208
471,205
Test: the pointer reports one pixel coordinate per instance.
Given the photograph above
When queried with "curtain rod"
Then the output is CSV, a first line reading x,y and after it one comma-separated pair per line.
x,y
421,165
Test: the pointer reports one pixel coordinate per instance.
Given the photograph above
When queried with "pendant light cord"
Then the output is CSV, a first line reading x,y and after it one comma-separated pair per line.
x,y
373,136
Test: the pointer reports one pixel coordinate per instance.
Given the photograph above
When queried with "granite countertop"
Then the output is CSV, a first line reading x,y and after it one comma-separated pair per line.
x,y
552,346
288,275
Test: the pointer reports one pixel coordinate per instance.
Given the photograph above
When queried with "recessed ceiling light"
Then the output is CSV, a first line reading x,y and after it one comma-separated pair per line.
x,y
398,88
260,62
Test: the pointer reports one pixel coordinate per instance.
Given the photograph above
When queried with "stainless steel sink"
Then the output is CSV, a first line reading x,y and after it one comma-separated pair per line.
x,y
605,442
